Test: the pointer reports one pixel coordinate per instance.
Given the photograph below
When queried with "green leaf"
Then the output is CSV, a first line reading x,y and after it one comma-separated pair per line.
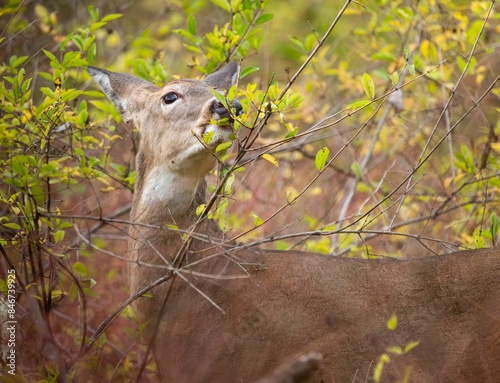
x,y
407,53
80,269
78,41
292,133
64,225
377,371
224,4
97,25
219,96
479,241
462,63
200,209
410,346
494,225
111,16
229,184
368,85
224,145
105,106
93,12
18,61
248,70
321,158
392,323
264,18
356,169
88,42
394,78
411,69
191,24
383,56
358,104
257,221
59,236
396,350
207,137
50,55
12,225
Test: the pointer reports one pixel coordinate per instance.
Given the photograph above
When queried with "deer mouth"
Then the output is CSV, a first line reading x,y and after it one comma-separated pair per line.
x,y
220,126
223,115
217,132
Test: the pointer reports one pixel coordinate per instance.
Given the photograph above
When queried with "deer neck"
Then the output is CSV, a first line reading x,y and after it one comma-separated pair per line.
x,y
166,194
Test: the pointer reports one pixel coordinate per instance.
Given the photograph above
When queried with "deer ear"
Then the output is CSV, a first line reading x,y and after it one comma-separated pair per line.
x,y
223,78
120,88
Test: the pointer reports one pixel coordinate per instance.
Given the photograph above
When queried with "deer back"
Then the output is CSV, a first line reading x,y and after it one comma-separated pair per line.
x,y
295,303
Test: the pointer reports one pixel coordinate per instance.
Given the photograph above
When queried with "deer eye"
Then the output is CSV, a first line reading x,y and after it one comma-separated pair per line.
x,y
170,98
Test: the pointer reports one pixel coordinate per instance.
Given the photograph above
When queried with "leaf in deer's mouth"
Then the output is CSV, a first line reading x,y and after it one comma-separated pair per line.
x,y
207,137
223,122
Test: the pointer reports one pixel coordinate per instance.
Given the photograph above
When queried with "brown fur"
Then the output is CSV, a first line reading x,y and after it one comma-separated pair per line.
x,y
273,306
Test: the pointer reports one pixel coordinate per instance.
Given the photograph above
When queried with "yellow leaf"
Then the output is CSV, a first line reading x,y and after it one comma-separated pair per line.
x,y
424,48
200,209
257,221
271,159
368,85
392,323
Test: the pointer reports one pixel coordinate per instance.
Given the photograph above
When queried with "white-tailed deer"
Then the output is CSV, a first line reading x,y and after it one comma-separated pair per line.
x,y
278,305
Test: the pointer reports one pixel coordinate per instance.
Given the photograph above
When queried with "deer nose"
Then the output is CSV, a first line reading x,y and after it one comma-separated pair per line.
x,y
238,108
219,108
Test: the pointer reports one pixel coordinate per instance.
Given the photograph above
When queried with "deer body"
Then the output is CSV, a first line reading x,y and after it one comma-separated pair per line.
x,y
266,307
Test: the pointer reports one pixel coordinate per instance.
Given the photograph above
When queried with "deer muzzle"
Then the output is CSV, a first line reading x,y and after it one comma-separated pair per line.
x,y
220,109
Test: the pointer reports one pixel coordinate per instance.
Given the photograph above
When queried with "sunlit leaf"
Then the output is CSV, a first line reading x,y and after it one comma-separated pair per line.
x,y
191,24
368,85
271,159
248,70
321,158
394,78
200,209
257,221
377,371
264,18
49,55
207,137
494,225
396,350
410,346
224,4
219,96
12,225
358,104
392,323
111,16
223,146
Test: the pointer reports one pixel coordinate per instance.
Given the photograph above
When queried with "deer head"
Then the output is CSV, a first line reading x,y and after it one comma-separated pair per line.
x,y
173,121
